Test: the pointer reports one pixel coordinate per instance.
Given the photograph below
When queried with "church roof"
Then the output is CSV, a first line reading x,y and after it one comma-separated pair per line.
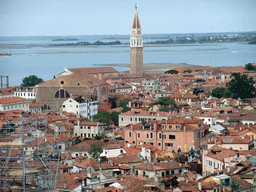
x,y
93,70
136,21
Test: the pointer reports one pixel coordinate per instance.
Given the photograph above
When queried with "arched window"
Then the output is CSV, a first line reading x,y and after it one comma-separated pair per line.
x,y
62,94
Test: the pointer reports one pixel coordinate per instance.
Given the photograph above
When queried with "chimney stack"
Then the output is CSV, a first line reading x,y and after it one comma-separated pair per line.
x,y
199,186
228,169
155,126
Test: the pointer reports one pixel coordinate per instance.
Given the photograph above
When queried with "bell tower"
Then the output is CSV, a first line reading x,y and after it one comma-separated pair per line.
x,y
136,46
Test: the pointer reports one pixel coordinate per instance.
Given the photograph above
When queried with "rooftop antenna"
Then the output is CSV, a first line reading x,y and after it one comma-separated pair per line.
x,y
136,6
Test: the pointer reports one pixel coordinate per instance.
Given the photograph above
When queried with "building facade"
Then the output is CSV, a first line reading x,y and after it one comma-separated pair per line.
x,y
175,134
14,103
81,107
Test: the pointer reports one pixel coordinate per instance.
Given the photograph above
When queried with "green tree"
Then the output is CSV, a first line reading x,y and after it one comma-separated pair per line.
x,y
241,86
98,137
113,104
8,128
114,117
123,103
165,104
32,80
77,141
250,66
103,117
188,71
221,92
95,151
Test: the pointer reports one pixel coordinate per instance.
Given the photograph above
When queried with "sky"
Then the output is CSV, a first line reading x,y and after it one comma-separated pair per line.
x,y
109,17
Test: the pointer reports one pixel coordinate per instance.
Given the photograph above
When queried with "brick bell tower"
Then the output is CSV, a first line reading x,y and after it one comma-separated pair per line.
x,y
136,47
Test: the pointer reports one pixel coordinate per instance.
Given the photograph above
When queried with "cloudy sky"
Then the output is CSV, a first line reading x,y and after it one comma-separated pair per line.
x,y
99,17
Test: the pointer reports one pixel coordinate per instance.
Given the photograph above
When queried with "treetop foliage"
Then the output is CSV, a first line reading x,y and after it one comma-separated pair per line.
x,y
32,80
250,67
95,151
165,104
123,103
241,86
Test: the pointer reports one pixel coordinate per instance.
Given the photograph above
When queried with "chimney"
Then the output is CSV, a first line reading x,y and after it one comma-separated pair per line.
x,y
155,126
199,186
228,169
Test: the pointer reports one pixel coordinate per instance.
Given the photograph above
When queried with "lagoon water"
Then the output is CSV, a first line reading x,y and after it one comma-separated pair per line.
x,y
47,61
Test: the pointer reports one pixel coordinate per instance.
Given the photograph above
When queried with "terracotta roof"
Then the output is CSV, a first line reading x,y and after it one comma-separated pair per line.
x,y
93,70
91,123
12,100
159,166
125,159
136,21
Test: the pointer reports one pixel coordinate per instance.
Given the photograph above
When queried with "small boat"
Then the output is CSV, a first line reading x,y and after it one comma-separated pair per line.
x,y
5,54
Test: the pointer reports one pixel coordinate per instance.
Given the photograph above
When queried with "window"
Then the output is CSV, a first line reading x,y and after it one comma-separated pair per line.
x,y
89,135
169,144
159,144
160,136
147,135
133,142
170,126
137,172
130,134
151,135
122,119
171,136
62,94
135,119
121,151
164,137
63,106
164,126
130,119
177,127
138,135
59,146
89,127
144,173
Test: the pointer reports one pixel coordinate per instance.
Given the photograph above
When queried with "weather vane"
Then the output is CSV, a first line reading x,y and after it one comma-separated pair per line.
x,y
135,6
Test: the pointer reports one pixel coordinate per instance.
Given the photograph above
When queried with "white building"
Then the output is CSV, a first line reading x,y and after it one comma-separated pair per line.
x,y
14,103
88,129
112,151
80,106
25,92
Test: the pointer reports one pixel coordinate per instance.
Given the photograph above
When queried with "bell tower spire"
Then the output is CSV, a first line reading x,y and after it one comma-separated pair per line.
x,y
136,46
